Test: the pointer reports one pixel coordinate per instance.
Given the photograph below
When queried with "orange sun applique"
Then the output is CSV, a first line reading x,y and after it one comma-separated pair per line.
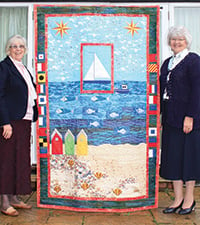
x,y
132,28
61,28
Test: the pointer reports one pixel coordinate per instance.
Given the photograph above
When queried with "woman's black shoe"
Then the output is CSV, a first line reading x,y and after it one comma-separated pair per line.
x,y
187,210
172,209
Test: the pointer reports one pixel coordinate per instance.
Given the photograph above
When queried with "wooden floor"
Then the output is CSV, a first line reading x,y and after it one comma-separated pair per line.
x,y
39,216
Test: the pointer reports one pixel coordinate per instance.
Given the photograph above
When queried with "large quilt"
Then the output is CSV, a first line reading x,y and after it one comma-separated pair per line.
x,y
98,130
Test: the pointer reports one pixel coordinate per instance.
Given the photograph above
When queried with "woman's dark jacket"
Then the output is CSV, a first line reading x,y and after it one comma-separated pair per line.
x,y
184,91
13,94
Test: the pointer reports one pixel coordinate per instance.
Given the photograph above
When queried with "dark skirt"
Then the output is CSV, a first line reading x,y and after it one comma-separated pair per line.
x,y
180,154
15,167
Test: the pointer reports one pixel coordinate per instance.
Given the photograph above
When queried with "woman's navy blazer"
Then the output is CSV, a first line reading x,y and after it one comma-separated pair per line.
x,y
184,91
13,93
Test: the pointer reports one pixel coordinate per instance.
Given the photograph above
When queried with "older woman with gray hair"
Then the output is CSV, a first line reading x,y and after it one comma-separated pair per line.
x,y
180,111
17,109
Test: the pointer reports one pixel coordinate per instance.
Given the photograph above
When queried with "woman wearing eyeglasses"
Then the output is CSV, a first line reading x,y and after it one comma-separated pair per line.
x,y
180,110
17,109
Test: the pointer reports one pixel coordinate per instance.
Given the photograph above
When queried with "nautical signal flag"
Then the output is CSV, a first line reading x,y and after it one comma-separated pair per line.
x,y
152,131
41,77
43,150
42,131
41,89
153,68
152,58
42,100
42,110
42,121
152,102
40,67
152,152
43,142
41,57
152,99
153,89
152,107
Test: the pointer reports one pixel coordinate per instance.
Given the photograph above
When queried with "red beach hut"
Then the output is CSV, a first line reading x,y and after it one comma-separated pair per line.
x,y
56,143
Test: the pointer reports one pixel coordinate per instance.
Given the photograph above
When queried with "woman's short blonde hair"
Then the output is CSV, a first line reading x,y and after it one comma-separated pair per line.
x,y
179,32
12,40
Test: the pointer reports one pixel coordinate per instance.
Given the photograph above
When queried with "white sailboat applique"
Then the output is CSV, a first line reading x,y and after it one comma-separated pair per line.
x,y
97,72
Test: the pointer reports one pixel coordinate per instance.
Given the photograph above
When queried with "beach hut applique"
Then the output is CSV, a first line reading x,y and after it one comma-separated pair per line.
x,y
56,143
82,144
69,147
69,143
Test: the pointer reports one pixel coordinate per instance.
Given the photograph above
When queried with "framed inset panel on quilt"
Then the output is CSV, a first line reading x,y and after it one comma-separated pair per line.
x,y
97,72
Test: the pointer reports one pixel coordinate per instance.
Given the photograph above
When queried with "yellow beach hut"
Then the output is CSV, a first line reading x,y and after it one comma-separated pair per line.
x,y
82,143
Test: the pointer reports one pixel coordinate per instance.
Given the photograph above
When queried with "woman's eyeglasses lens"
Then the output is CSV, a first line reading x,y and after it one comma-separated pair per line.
x,y
17,46
178,39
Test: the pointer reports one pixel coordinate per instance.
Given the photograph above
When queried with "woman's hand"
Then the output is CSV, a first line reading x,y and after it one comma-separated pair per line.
x,y
187,124
7,131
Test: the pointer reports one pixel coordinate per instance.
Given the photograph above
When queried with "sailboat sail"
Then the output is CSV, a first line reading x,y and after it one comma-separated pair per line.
x,y
96,71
